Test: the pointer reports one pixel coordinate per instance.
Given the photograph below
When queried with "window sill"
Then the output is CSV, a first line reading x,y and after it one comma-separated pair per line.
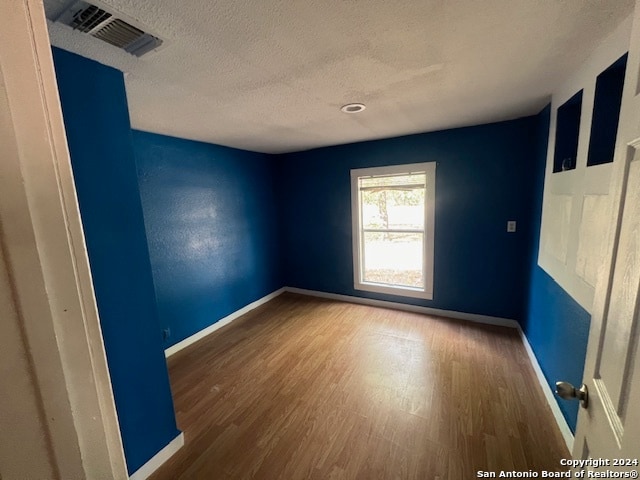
x,y
397,291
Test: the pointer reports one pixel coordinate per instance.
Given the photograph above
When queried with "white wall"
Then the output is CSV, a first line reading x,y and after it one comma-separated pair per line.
x,y
576,205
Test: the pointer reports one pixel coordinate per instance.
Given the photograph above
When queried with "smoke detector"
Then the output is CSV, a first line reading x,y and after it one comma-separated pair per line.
x,y
109,27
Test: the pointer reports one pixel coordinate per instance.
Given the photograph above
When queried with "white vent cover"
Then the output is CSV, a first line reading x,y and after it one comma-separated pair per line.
x,y
99,23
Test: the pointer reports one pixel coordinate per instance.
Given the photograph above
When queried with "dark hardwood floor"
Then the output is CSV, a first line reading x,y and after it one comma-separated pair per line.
x,y
303,388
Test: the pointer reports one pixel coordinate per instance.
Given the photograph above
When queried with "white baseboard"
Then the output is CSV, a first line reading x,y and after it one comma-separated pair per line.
x,y
220,323
548,393
159,458
472,317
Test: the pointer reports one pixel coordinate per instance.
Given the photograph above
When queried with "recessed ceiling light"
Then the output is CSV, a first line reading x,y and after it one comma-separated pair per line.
x,y
353,107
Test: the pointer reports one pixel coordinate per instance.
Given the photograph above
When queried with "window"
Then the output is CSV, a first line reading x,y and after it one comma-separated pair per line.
x,y
393,229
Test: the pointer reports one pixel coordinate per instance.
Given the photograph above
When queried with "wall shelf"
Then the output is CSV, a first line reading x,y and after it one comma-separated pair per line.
x,y
567,132
606,113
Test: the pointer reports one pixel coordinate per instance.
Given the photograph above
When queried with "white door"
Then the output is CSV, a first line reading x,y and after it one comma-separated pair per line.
x,y
609,426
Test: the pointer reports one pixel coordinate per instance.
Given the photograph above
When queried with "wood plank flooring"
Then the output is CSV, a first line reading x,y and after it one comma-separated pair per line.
x,y
305,388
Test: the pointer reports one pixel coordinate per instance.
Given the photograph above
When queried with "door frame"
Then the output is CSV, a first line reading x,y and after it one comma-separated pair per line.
x,y
42,242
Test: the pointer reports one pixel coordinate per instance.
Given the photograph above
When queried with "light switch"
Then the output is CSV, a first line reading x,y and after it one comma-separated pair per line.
x,y
511,226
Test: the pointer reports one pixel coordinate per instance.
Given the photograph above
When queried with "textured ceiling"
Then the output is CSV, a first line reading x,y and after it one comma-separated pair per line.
x,y
271,75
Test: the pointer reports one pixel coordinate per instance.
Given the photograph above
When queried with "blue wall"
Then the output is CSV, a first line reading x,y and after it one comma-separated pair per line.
x,y
212,229
483,179
226,227
96,116
486,175
556,326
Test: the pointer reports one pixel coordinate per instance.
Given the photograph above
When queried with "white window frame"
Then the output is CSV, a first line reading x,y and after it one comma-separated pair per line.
x,y
429,169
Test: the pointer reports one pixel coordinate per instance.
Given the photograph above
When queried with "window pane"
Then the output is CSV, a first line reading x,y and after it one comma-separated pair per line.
x,y
393,208
393,258
390,180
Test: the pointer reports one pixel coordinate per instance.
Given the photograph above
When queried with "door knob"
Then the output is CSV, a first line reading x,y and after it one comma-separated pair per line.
x,y
567,391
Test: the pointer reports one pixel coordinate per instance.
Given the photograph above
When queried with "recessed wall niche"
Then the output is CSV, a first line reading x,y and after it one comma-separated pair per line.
x,y
567,131
606,113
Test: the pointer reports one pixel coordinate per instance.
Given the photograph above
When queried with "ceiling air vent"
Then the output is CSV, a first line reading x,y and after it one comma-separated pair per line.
x,y
101,24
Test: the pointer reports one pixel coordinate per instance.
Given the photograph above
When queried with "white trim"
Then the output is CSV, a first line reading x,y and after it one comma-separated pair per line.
x,y
429,169
548,394
220,323
158,459
471,317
